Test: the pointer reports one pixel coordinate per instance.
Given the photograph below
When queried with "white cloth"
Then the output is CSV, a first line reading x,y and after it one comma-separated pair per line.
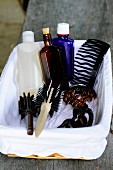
x,y
88,143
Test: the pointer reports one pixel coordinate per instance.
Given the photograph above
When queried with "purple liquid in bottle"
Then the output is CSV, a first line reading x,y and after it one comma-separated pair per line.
x,y
66,44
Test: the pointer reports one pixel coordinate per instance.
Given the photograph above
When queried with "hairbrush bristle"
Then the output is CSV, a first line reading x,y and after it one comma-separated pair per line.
x,y
40,96
56,100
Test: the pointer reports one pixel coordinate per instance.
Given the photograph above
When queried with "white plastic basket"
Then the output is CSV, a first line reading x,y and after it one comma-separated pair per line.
x,y
77,143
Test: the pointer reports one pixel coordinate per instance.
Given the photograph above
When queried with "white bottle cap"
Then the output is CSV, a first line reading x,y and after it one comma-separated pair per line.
x,y
63,28
28,36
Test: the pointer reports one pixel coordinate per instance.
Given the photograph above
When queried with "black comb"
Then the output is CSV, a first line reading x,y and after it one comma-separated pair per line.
x,y
87,62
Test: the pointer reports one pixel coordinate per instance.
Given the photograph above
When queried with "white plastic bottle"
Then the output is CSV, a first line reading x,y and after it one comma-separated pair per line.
x,y
29,68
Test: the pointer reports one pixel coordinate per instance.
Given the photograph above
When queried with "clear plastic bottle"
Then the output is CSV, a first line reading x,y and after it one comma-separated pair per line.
x,y
66,44
29,68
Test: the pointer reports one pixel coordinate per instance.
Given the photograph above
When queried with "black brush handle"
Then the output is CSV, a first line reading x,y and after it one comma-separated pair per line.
x,y
30,124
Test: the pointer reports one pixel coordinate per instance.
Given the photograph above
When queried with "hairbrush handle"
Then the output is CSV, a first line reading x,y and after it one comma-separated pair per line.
x,y
30,124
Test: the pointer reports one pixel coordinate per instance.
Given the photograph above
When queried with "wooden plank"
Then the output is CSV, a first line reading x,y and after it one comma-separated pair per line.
x,y
87,19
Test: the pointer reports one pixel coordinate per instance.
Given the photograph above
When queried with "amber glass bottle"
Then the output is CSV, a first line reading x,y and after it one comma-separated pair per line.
x,y
52,61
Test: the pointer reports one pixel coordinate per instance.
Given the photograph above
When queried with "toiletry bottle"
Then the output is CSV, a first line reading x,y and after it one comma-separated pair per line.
x,y
53,63
66,45
29,68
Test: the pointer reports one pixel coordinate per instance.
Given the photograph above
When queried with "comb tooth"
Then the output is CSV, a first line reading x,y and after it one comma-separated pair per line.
x,y
92,47
83,67
82,76
86,56
84,59
85,63
82,50
82,71
81,79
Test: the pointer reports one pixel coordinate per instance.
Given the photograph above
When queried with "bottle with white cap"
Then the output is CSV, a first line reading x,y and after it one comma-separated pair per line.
x,y
29,68
66,45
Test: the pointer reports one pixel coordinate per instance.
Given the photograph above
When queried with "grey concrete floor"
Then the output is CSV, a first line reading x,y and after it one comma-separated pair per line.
x,y
11,20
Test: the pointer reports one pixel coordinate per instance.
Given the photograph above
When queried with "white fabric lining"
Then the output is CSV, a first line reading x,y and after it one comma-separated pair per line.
x,y
74,143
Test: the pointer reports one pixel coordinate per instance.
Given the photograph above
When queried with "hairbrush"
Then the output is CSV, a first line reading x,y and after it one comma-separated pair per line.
x,y
56,98
50,104
30,105
25,108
